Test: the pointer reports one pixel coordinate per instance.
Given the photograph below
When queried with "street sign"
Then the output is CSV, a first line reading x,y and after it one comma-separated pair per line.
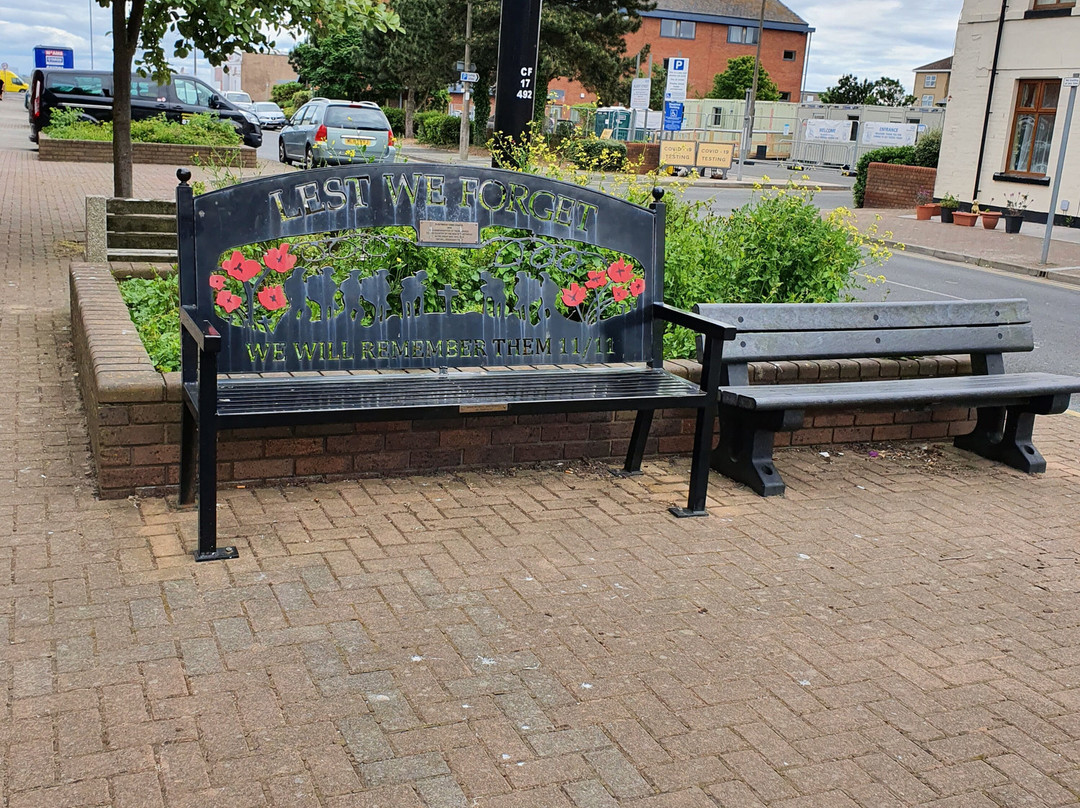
x,y
1071,81
473,77
676,152
673,115
677,72
639,93
715,155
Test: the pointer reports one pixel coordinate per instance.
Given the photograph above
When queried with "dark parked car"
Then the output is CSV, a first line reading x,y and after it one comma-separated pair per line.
x,y
326,132
92,92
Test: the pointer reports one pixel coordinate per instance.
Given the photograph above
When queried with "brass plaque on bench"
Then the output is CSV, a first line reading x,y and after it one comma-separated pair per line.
x,y
434,232
483,407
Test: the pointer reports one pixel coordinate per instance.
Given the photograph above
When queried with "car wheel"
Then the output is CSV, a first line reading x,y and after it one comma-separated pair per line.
x,y
281,152
309,158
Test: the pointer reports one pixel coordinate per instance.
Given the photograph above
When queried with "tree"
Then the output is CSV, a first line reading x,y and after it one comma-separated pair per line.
x,y
738,78
216,27
888,92
850,90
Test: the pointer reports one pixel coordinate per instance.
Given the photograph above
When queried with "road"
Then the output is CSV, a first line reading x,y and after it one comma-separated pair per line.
x,y
1053,305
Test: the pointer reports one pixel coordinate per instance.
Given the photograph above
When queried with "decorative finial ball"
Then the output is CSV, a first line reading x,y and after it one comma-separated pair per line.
x,y
657,193
183,174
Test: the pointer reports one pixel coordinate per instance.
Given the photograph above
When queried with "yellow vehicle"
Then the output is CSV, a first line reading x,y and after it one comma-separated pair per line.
x,y
12,82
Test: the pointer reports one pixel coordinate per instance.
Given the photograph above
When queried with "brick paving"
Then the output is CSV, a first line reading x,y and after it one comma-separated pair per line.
x,y
897,630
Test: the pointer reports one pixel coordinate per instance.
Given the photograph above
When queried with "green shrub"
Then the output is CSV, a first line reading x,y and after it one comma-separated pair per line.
x,y
594,154
927,149
300,97
154,304
200,130
282,94
439,130
396,117
899,155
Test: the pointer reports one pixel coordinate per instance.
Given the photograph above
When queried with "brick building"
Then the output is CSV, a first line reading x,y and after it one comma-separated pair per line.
x,y
708,33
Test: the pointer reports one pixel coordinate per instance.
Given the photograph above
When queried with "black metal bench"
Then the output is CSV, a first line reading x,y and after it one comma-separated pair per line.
x,y
751,415
566,311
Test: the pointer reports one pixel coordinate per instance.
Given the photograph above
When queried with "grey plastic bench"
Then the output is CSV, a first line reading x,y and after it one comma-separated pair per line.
x,y
751,415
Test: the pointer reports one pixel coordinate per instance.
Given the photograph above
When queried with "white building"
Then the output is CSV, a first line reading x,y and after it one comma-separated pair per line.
x,y
1004,129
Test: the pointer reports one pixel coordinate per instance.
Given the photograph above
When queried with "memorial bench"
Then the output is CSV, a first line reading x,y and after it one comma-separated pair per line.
x,y
749,416
290,289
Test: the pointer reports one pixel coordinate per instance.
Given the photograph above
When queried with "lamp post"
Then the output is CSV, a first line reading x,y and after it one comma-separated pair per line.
x,y
753,85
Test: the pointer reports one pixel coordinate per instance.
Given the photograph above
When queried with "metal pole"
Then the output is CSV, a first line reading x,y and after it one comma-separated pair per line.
x,y
463,133
91,4
753,87
1060,168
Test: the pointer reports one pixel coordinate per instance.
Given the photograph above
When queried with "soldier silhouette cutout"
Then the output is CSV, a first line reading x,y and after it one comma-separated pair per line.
x,y
526,295
493,289
412,294
549,295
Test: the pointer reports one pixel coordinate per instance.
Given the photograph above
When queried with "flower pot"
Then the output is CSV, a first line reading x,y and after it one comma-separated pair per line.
x,y
946,215
964,219
990,219
924,212
1012,223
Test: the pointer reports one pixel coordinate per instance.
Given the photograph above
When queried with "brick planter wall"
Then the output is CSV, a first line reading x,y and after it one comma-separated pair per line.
x,y
644,157
100,151
891,186
133,417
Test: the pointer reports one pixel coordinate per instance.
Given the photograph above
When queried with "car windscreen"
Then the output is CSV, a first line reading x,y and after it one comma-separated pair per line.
x,y
267,106
355,118
68,83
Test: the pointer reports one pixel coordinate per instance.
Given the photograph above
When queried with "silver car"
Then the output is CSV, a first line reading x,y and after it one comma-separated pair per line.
x,y
329,132
270,115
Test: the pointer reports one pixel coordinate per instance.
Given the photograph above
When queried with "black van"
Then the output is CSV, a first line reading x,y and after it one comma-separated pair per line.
x,y
92,92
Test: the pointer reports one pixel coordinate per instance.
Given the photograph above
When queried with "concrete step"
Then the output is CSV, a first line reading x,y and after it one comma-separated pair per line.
x,y
142,241
148,256
142,223
159,206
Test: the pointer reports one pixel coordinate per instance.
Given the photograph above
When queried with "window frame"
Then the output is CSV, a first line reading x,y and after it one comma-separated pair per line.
x,y
677,28
930,81
794,55
1037,5
746,32
923,102
1037,110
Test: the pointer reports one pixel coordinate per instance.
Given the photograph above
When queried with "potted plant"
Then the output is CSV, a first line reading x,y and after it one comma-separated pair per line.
x,y
967,218
989,217
949,204
924,205
1015,205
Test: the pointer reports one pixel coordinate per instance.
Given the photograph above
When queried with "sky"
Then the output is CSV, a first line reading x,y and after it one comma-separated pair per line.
x,y
870,38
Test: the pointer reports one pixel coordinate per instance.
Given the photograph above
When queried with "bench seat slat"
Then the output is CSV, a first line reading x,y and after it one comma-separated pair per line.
x,y
994,390
803,317
784,345
374,394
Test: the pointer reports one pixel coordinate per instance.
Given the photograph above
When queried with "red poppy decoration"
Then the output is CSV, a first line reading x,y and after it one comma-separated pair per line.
x,y
574,296
597,278
228,301
620,271
637,286
243,269
217,281
279,259
273,297
619,293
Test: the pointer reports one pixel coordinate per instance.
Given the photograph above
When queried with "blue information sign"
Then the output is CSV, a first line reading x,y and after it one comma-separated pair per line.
x,y
673,112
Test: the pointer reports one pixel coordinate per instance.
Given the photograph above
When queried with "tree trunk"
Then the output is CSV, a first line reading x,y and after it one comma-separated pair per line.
x,y
410,111
125,38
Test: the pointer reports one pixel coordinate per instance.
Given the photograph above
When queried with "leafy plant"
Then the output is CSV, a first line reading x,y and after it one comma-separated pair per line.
x,y
282,94
436,129
949,202
927,149
199,130
924,196
154,304
1016,204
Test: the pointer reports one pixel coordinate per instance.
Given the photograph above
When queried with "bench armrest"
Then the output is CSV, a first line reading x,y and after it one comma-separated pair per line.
x,y
695,322
206,336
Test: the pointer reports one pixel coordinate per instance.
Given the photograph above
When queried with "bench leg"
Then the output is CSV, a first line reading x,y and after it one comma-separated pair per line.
x,y
636,451
699,466
745,449
1004,435
208,549
188,454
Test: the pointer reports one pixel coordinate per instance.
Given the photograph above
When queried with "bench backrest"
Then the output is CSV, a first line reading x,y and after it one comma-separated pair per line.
x,y
796,331
567,274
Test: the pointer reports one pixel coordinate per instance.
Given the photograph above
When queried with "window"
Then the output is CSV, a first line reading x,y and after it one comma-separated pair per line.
x,y
1033,127
70,83
785,96
927,100
677,29
742,34
192,92
789,56
1054,3
930,81
144,88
